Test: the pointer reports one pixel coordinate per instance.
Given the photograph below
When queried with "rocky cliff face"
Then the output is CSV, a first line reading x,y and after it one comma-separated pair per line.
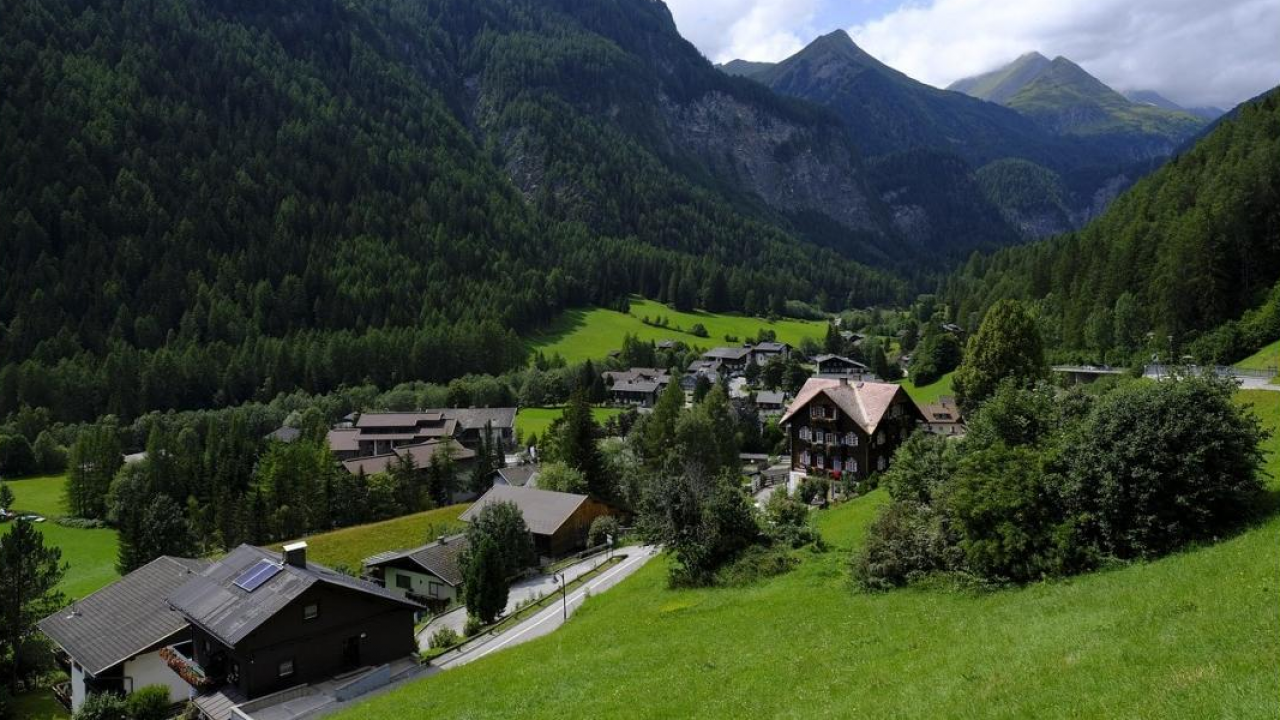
x,y
790,167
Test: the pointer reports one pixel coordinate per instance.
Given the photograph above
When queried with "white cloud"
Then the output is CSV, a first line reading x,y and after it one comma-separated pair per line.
x,y
749,29
1196,52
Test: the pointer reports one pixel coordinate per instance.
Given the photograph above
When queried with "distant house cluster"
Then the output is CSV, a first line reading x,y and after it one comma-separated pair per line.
x,y
637,386
373,441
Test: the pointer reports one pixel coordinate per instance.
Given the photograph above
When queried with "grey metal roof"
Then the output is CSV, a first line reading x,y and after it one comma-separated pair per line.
x,y
213,601
770,397
727,353
544,510
124,618
640,386
519,475
469,418
284,434
441,559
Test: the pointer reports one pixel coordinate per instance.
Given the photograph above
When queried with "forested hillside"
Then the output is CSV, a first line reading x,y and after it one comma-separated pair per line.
x,y
1187,251
206,203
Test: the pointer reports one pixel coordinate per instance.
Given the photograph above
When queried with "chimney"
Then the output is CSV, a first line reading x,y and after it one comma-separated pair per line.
x,y
295,554
844,380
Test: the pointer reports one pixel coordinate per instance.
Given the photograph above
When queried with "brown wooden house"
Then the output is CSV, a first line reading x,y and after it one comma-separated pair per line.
x,y
840,426
558,521
263,622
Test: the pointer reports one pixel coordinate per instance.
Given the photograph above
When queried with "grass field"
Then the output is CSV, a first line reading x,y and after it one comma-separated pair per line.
x,y
349,546
931,392
579,335
1267,357
38,705
91,554
537,420
1194,635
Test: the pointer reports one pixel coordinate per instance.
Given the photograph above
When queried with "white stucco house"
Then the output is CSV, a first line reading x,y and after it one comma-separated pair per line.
x,y
110,640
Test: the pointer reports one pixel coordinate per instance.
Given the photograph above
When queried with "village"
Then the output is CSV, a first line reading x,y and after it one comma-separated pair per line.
x,y
273,635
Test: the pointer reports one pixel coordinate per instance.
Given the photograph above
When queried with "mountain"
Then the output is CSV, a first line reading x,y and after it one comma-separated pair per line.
x,y
744,68
999,85
1151,97
1064,99
890,115
887,111
208,203
1189,253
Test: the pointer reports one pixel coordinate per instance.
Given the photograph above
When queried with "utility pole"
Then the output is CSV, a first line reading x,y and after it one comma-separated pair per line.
x,y
564,594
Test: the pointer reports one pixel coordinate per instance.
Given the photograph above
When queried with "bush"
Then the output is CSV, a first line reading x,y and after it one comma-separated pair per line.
x,y
905,543
789,522
813,486
81,523
444,637
602,528
103,706
755,564
699,330
149,703
472,626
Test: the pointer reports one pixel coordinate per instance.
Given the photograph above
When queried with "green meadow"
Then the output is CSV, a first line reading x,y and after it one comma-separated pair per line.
x,y
579,335
535,421
1267,357
349,546
90,554
930,393
1193,635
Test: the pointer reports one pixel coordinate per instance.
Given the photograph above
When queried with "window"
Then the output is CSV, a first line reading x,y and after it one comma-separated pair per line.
x,y
404,582
818,436
286,669
880,464
880,438
837,465
311,612
852,466
817,411
804,458
819,460
851,439
804,434
433,589
896,412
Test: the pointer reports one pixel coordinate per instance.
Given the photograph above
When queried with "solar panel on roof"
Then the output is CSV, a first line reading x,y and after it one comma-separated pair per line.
x,y
253,578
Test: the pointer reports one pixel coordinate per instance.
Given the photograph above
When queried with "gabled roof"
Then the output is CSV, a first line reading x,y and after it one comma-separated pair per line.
x,y
212,600
398,419
544,510
475,418
519,475
344,439
865,402
124,618
440,558
771,347
770,397
284,434
637,386
421,453
727,353
828,358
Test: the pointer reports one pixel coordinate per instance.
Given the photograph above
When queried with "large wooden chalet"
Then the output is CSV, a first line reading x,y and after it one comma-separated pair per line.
x,y
840,426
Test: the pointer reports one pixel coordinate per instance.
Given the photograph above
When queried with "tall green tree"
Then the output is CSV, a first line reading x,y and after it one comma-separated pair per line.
x,y
31,572
660,425
1007,347
504,525
486,585
95,458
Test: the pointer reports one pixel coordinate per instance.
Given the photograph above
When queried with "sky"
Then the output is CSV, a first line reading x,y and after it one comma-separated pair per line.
x,y
1195,52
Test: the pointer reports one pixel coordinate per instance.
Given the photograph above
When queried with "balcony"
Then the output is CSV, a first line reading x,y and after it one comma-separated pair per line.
x,y
180,659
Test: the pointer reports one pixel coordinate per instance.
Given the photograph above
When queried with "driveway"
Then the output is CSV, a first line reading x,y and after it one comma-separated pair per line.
x,y
554,615
522,592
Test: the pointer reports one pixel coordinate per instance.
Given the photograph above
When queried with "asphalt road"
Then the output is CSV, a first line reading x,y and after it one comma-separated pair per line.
x,y
553,616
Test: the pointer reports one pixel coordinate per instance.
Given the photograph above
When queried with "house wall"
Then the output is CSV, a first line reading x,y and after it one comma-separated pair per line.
x,y
420,583
150,669
77,686
382,630
572,535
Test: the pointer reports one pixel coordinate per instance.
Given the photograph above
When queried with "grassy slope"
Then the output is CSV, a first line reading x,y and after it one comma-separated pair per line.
x,y
349,546
537,420
91,554
1191,636
579,335
1267,357
931,392
38,705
